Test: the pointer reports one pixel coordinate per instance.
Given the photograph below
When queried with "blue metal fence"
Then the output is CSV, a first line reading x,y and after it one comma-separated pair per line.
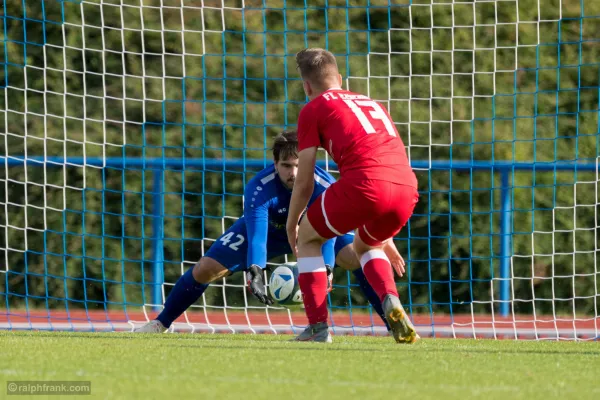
x,y
158,165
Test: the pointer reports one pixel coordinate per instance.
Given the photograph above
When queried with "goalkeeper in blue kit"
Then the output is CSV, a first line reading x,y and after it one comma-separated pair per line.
x,y
260,235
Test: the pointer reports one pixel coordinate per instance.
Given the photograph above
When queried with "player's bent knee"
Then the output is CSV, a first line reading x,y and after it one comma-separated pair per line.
x,y
347,258
360,247
208,270
307,234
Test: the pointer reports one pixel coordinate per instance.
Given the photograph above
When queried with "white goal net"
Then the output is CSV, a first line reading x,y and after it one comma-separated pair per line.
x,y
130,128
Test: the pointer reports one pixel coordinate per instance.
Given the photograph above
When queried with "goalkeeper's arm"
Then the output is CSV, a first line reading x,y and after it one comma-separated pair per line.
x,y
257,224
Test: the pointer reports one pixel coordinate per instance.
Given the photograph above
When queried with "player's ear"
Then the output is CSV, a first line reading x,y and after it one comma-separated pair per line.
x,y
340,80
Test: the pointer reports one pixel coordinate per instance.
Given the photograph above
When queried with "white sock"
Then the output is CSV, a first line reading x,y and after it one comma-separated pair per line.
x,y
311,264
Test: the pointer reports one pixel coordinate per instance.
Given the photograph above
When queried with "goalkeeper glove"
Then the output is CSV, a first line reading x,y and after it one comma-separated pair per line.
x,y
256,285
329,278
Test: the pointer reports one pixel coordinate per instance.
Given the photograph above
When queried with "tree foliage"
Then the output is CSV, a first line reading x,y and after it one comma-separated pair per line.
x,y
463,82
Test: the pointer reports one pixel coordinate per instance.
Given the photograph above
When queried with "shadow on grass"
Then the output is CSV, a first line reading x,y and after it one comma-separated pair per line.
x,y
203,341
366,348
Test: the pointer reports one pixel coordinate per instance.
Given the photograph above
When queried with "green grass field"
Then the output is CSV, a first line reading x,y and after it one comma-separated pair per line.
x,y
203,366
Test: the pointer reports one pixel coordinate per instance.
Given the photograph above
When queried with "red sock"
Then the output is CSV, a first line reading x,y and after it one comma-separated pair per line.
x,y
313,285
378,271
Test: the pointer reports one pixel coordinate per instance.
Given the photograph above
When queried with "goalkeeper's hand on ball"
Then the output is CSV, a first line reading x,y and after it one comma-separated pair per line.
x,y
256,285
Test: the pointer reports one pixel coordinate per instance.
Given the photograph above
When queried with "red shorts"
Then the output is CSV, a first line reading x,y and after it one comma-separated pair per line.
x,y
378,209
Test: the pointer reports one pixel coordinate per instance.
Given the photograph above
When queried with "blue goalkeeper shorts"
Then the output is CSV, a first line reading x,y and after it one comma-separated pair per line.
x,y
343,241
231,248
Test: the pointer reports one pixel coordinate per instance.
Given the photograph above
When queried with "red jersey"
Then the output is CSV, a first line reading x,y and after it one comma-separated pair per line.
x,y
358,134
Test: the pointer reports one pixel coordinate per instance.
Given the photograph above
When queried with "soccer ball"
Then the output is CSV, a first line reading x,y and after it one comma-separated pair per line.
x,y
284,286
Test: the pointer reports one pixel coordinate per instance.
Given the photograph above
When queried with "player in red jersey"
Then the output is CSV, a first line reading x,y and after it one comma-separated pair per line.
x,y
376,193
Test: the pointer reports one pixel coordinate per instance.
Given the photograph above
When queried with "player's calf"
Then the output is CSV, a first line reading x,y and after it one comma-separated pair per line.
x,y
312,273
347,259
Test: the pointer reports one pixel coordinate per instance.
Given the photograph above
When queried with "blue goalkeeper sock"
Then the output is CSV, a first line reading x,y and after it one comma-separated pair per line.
x,y
328,251
184,294
371,295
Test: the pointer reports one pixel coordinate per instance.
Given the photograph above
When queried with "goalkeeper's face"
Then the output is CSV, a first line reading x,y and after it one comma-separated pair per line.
x,y
287,170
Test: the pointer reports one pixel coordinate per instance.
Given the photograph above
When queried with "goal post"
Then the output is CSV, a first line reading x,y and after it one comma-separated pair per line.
x,y
130,127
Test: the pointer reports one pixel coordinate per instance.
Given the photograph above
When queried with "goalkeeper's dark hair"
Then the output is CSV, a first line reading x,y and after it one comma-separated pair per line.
x,y
285,145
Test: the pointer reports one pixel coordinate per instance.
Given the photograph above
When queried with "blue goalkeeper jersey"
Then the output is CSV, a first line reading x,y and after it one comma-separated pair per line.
x,y
266,203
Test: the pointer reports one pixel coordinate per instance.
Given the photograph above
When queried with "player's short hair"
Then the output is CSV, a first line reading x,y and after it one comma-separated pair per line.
x,y
285,145
316,65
